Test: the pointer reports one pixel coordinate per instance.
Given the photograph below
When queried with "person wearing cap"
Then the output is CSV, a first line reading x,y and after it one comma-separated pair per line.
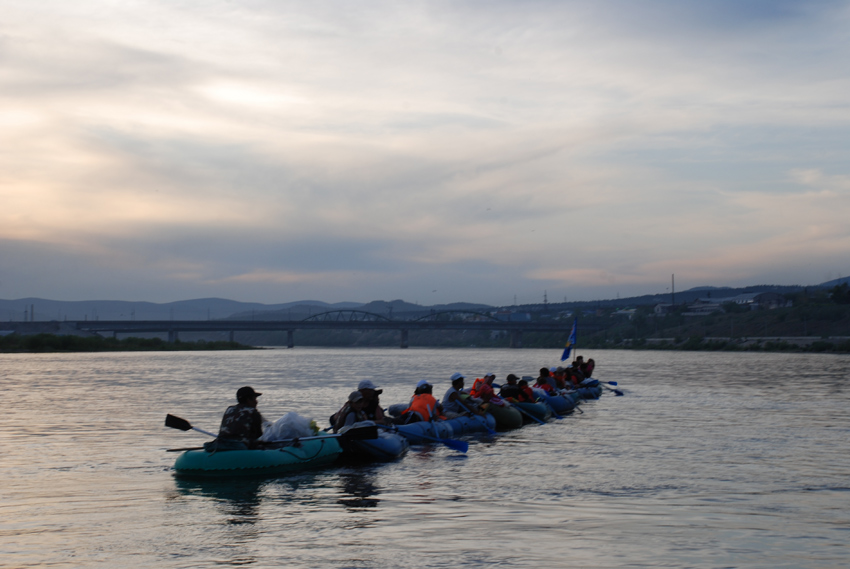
x,y
371,405
351,412
453,404
241,424
423,406
510,390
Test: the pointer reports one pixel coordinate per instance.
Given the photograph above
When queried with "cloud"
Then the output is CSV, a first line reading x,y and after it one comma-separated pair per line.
x,y
377,147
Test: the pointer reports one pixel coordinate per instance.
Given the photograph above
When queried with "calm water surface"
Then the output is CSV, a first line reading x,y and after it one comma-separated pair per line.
x,y
709,460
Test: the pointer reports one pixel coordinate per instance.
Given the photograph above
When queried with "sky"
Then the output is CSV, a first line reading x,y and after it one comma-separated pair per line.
x,y
492,152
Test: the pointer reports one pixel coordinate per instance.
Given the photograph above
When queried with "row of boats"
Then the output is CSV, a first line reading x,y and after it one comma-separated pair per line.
x,y
366,441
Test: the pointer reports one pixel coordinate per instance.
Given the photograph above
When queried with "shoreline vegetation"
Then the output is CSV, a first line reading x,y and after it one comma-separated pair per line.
x,y
52,343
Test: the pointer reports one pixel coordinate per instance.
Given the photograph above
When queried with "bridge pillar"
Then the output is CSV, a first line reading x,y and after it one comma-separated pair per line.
x,y
404,338
173,337
231,336
516,338
290,338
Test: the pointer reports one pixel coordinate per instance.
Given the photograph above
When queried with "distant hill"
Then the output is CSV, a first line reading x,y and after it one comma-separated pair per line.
x,y
835,282
197,309
395,309
218,308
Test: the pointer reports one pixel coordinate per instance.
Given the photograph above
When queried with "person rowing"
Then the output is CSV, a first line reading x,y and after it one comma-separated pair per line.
x,y
241,425
453,404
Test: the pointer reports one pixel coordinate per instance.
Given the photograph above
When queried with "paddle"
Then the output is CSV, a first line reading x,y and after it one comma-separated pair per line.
x,y
524,412
617,392
453,444
554,413
184,425
355,434
474,415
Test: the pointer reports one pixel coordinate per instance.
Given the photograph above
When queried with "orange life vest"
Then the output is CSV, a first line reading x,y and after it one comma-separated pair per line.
x,y
479,387
423,405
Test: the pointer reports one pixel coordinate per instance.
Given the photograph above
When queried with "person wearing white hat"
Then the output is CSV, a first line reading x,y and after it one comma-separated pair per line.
x,y
453,403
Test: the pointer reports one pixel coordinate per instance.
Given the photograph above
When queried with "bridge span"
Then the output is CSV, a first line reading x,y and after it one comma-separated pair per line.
x,y
174,327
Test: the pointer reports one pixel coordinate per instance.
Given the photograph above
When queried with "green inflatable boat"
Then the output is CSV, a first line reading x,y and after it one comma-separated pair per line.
x,y
313,453
507,417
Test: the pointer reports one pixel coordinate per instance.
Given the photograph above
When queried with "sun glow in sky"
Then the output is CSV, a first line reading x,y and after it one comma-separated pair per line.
x,y
351,151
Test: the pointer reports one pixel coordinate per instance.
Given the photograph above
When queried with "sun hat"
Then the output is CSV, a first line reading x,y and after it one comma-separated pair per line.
x,y
422,383
367,384
457,375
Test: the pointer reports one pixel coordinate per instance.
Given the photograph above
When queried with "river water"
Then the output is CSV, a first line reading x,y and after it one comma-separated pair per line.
x,y
708,460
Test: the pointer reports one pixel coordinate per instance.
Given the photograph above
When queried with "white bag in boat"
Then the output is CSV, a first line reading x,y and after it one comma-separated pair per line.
x,y
290,426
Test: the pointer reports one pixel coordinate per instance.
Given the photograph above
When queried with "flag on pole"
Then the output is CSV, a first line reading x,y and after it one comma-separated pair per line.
x,y
571,341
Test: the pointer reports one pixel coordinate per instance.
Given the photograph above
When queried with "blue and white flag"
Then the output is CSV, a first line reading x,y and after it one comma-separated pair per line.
x,y
571,341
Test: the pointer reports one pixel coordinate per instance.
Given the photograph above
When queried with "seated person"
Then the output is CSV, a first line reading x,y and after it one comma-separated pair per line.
x,y
526,395
545,382
453,404
351,412
482,388
560,377
510,390
371,405
423,406
241,424
587,368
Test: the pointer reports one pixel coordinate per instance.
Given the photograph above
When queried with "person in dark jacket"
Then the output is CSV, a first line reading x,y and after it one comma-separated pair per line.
x,y
241,424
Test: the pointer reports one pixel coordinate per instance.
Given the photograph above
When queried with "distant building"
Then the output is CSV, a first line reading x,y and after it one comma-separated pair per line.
x,y
754,300
662,309
627,312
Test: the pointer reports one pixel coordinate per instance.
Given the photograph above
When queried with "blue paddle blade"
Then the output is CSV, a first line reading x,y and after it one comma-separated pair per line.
x,y
618,393
459,446
611,382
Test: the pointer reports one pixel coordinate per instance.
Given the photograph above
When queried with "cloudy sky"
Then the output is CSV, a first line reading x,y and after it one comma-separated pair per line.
x,y
275,151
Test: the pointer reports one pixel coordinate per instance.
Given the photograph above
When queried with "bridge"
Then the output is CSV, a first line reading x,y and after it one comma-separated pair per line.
x,y
333,320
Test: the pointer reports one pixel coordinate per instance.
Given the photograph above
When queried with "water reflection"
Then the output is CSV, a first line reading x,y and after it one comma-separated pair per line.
x,y
237,500
359,488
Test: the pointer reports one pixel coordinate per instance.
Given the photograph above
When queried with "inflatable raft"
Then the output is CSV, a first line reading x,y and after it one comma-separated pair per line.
x,y
541,411
507,418
314,453
561,404
387,446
